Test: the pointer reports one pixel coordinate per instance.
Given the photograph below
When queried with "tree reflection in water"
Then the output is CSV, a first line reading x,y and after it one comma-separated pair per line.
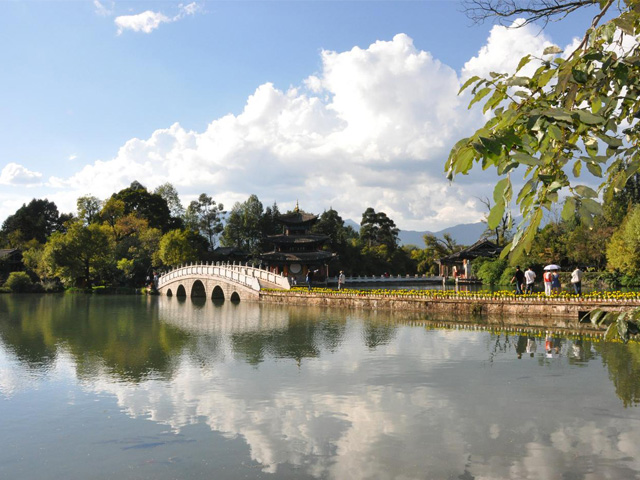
x,y
333,392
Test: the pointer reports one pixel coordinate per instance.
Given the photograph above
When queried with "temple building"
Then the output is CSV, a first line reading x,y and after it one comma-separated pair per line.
x,y
297,250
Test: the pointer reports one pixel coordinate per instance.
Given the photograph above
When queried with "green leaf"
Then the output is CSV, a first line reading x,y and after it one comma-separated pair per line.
x,y
596,315
585,191
554,132
499,190
592,206
623,327
475,78
555,186
589,118
518,82
544,78
479,96
585,215
558,114
595,169
579,76
526,159
610,334
569,209
492,145
532,229
496,214
613,142
576,168
553,49
463,160
523,61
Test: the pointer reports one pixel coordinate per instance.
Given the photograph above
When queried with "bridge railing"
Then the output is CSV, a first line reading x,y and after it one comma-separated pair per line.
x,y
246,275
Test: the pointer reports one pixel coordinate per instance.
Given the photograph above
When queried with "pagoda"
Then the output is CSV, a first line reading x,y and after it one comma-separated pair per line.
x,y
297,250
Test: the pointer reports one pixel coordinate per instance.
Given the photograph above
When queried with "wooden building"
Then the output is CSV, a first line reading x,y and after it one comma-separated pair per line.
x,y
10,261
458,265
297,250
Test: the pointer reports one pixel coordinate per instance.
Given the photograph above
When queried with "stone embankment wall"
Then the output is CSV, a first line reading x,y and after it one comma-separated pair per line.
x,y
571,310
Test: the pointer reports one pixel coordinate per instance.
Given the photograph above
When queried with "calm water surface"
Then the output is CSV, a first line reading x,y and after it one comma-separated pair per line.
x,y
157,388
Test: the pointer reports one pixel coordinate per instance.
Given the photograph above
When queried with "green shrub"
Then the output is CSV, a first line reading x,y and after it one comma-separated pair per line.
x,y
491,271
5,290
19,282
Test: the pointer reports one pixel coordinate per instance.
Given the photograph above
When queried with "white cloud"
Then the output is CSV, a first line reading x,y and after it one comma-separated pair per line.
x,y
102,10
373,131
504,49
148,20
372,128
14,174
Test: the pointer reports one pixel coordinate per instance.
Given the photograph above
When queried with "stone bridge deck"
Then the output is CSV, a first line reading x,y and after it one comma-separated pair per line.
x,y
220,281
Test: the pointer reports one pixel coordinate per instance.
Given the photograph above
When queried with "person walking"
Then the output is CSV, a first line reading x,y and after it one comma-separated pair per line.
x,y
576,281
555,282
546,277
518,277
529,278
341,280
309,278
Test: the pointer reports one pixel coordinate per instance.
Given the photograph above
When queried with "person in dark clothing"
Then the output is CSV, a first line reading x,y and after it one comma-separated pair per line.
x,y
519,279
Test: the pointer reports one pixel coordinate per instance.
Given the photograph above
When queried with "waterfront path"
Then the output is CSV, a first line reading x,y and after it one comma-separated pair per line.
x,y
448,302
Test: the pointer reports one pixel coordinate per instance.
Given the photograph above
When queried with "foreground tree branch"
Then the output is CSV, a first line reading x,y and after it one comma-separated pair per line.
x,y
571,115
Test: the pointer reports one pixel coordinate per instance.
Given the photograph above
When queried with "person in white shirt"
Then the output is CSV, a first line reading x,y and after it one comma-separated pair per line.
x,y
529,278
576,280
341,280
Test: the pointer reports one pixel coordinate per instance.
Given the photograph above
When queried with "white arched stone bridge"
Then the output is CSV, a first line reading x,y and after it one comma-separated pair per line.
x,y
219,281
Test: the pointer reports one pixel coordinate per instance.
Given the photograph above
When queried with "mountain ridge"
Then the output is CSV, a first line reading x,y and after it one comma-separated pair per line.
x,y
463,233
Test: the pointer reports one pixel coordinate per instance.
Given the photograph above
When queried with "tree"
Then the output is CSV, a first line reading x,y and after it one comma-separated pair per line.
x,y
269,223
178,247
244,228
623,250
332,225
530,10
378,229
170,195
37,220
136,199
572,112
205,217
82,256
89,208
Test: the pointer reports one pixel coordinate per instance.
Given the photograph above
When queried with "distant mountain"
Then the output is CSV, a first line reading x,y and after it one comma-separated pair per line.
x,y
464,234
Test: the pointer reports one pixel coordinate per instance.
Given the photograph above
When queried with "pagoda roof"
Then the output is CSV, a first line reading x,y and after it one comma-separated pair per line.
x,y
296,218
297,239
297,257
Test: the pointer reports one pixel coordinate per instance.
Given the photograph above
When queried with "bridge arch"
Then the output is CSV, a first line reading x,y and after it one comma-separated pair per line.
x,y
198,290
235,297
169,292
219,281
217,293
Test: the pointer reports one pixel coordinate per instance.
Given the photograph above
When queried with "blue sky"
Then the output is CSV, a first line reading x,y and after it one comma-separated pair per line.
x,y
341,104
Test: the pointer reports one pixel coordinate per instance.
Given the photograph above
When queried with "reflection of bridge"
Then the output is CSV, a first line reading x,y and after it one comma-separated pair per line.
x,y
219,281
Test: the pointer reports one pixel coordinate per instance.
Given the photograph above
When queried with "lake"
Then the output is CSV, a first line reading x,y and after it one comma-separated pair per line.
x,y
131,387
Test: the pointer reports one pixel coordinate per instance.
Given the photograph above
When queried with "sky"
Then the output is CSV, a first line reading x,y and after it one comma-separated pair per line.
x,y
331,104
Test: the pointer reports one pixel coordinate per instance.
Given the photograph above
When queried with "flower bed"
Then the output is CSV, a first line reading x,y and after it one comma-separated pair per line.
x,y
612,296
